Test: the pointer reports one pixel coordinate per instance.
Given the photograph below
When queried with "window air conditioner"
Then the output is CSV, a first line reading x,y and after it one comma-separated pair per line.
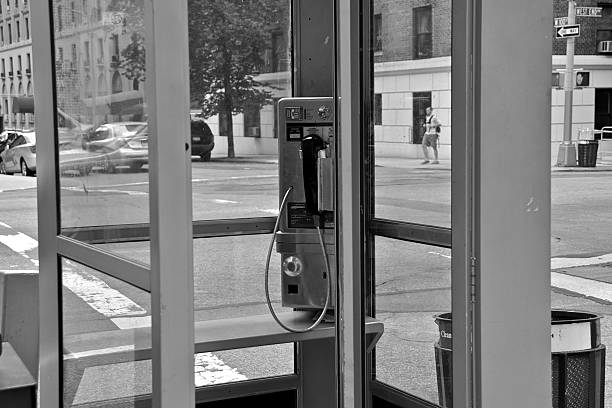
x,y
604,47
253,131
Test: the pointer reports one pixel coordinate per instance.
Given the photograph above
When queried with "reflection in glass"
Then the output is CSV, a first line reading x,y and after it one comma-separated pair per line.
x,y
103,321
412,71
410,290
101,114
240,64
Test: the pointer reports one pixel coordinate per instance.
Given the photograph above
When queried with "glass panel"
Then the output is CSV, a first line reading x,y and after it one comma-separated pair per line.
x,y
243,364
104,319
101,114
412,71
229,277
229,282
233,94
410,291
581,273
101,317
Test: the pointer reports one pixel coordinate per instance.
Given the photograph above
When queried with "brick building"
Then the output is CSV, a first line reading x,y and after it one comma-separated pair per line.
x,y
412,56
412,70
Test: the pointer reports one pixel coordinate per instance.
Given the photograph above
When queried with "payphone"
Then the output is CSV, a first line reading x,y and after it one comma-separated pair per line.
x,y
304,231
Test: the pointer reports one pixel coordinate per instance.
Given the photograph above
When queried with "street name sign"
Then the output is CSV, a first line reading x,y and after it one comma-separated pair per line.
x,y
588,11
561,21
568,31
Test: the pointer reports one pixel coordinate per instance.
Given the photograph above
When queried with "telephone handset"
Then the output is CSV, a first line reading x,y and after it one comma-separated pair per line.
x,y
310,147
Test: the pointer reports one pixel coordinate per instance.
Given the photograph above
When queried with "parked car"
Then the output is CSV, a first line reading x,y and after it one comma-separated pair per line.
x,y
19,155
122,143
202,138
6,137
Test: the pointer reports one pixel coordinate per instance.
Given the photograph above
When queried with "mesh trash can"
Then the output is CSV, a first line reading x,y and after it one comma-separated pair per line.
x,y
587,153
578,360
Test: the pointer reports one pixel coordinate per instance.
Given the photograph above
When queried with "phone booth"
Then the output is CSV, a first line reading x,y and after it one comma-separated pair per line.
x,y
301,260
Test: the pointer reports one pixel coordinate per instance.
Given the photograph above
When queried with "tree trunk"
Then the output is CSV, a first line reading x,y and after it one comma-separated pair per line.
x,y
230,133
228,110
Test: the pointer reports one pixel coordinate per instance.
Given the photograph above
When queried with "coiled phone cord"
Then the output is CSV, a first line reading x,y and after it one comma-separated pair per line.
x,y
267,273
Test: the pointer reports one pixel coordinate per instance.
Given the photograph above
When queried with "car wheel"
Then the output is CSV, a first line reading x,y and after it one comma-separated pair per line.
x,y
85,170
135,166
2,168
205,157
25,171
109,167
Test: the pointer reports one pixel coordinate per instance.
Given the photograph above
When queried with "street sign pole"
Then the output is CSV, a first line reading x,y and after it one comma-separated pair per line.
x,y
567,150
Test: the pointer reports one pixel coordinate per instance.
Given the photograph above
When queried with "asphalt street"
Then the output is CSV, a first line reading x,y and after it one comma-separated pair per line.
x,y
412,280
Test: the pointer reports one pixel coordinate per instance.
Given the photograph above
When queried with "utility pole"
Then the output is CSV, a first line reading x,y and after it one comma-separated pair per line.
x,y
567,149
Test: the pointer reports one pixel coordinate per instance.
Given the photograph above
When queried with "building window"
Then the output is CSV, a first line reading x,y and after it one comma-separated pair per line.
x,y
115,44
27,28
10,33
116,85
59,18
19,65
604,41
73,56
29,59
18,26
378,109
98,10
100,51
3,67
377,33
422,32
73,14
252,122
2,34
87,60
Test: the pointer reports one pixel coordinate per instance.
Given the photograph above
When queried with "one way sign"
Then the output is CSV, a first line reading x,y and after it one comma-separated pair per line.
x,y
568,31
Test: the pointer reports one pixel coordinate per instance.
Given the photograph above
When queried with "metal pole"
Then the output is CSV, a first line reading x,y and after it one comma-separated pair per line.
x,y
567,150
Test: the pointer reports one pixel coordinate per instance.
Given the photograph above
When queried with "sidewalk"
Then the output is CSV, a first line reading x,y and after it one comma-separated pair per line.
x,y
409,163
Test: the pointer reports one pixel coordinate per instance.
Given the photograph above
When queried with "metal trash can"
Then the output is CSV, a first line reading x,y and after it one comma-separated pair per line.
x,y
444,359
578,360
587,153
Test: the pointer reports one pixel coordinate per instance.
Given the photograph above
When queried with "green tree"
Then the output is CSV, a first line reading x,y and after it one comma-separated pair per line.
x,y
132,57
227,42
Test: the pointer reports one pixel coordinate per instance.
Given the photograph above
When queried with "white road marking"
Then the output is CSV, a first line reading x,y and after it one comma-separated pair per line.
x,y
273,211
98,352
132,322
18,242
98,295
558,263
234,178
95,190
586,287
210,369
589,288
219,201
18,271
440,254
